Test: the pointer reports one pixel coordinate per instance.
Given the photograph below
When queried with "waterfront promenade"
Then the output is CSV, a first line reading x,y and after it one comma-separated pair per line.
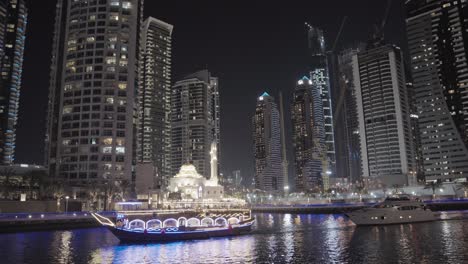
x,y
14,222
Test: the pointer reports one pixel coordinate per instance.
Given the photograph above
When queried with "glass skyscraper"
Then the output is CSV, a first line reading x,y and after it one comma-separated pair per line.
x,y
267,145
13,20
319,75
154,91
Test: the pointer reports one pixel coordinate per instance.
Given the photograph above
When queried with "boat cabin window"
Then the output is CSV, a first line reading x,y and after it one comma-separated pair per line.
x,y
406,208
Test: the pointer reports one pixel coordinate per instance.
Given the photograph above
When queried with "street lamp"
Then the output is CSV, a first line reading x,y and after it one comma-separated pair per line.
x,y
66,203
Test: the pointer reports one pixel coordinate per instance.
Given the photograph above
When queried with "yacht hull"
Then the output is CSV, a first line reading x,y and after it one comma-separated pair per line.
x,y
389,217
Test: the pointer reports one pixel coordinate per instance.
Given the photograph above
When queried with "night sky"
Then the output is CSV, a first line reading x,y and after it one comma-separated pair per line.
x,y
252,46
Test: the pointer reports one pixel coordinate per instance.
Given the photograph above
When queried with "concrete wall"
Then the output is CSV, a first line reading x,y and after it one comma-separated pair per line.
x,y
38,206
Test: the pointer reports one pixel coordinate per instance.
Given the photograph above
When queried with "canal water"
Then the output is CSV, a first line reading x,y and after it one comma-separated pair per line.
x,y
277,238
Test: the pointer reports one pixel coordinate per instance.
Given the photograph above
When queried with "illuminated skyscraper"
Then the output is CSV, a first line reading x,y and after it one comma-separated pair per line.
x,y
13,19
310,156
154,91
437,41
90,129
194,121
319,75
267,145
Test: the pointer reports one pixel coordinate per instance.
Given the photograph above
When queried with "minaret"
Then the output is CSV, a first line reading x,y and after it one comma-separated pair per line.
x,y
284,162
214,163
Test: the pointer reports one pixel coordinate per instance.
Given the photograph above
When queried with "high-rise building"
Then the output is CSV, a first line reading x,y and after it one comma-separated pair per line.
x,y
13,20
91,111
437,41
310,157
194,121
267,145
319,75
347,127
383,114
418,173
154,91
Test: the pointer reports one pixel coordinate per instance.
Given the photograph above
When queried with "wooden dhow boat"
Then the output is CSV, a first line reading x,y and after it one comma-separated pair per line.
x,y
182,228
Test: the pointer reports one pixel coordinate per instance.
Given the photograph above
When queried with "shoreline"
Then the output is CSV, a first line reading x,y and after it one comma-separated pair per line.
x,y
41,222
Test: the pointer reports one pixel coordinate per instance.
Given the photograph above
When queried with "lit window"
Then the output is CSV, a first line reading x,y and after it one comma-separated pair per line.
x,y
67,110
126,5
107,150
123,63
120,150
110,100
89,68
67,87
90,39
122,86
111,60
107,141
120,141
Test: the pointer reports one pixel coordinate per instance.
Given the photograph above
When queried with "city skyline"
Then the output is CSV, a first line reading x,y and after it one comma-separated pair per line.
x,y
236,151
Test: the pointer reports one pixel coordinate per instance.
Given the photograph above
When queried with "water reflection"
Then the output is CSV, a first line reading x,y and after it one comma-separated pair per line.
x,y
278,238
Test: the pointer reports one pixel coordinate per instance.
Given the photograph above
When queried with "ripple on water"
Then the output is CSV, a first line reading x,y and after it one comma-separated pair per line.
x,y
278,238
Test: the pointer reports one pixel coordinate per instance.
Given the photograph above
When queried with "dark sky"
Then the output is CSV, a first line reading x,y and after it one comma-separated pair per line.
x,y
252,46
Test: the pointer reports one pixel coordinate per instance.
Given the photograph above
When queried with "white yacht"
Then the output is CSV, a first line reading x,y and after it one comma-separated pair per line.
x,y
394,210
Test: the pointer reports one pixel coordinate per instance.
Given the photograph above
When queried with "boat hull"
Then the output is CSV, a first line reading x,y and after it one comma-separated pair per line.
x,y
127,236
379,217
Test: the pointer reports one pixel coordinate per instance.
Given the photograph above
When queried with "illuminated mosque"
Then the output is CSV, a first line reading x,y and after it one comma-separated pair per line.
x,y
192,185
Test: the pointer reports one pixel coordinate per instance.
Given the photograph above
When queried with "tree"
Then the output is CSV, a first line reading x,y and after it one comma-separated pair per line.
x,y
26,180
92,193
463,186
433,185
39,181
384,189
360,189
7,185
396,188
124,187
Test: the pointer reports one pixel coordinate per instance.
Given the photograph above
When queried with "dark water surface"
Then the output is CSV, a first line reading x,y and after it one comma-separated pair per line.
x,y
277,238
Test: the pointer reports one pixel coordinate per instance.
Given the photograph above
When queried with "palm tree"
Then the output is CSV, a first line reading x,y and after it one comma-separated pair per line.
x,y
433,185
463,186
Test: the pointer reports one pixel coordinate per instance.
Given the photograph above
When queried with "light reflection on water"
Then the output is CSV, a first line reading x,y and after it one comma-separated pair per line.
x,y
278,238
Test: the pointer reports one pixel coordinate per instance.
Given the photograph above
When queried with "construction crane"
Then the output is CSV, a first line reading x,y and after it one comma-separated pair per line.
x,y
378,33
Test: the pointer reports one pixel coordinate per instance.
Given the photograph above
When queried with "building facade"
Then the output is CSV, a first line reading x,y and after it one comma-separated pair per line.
x,y
194,121
90,129
154,91
437,41
348,125
267,145
319,75
13,20
383,111
310,151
